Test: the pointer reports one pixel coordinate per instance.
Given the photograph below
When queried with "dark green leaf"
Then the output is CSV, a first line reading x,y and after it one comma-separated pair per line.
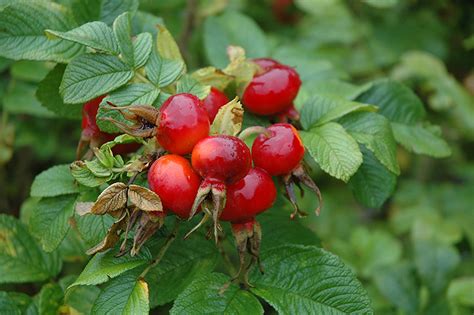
x,y
142,47
232,28
126,294
111,9
50,220
22,26
307,279
48,94
50,299
375,132
55,181
21,259
123,33
163,72
203,296
105,266
92,75
20,99
7,305
96,35
31,71
372,184
93,228
333,149
421,140
187,84
396,102
319,110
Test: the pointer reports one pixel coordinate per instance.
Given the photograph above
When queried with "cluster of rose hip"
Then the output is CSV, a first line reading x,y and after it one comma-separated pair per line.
x,y
214,174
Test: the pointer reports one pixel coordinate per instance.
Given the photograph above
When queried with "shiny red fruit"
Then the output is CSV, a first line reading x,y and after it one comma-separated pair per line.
x,y
249,196
279,152
183,122
273,91
173,179
221,158
92,133
213,102
265,63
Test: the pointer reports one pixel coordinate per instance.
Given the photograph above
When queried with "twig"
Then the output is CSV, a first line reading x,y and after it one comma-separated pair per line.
x,y
163,249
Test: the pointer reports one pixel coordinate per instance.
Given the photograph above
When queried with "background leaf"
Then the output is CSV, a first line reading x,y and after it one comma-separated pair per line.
x,y
202,296
55,181
302,279
21,259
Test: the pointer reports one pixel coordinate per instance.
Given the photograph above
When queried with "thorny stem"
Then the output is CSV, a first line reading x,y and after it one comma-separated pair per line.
x,y
163,249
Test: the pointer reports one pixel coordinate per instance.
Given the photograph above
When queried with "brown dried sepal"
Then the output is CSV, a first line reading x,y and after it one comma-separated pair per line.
x,y
144,199
112,199
112,237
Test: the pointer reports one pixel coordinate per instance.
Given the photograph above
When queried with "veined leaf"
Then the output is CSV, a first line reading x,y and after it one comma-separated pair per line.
x,y
202,296
333,149
55,181
166,45
21,259
50,220
188,84
163,72
142,47
122,28
319,110
307,279
96,35
92,75
22,26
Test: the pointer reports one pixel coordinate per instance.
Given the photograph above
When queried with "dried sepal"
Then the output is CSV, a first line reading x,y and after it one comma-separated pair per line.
x,y
144,199
83,208
112,199
147,226
112,237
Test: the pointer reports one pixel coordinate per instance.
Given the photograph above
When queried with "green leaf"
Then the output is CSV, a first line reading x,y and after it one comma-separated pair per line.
x,y
142,47
375,132
187,84
179,267
319,110
372,184
421,140
132,94
111,9
92,75
81,299
228,120
126,294
21,259
146,22
232,28
123,33
203,296
48,94
333,149
84,176
166,45
435,263
105,266
31,71
7,305
55,181
50,299
22,26
50,220
163,72
397,284
395,101
302,279
460,291
20,99
96,35
336,88
93,228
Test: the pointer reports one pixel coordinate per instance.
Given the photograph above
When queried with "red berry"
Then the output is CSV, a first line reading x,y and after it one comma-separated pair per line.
x,y
221,158
272,91
173,179
249,196
266,63
92,133
280,152
213,102
182,123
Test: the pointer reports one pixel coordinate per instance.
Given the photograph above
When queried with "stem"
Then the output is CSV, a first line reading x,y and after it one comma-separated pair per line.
x,y
163,249
244,134
141,78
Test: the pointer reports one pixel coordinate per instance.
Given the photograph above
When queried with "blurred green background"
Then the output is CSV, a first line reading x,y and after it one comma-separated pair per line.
x,y
414,254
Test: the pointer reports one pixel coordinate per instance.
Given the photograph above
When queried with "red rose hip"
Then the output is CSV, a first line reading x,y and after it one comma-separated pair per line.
x,y
249,196
279,151
182,123
272,91
213,102
173,179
